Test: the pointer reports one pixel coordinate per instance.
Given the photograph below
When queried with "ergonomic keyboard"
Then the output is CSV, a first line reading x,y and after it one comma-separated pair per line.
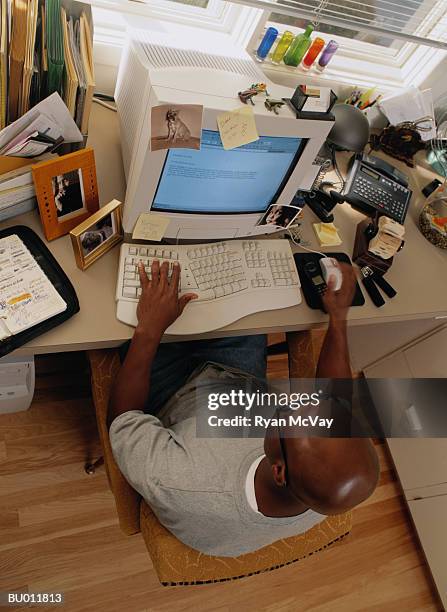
x,y
232,279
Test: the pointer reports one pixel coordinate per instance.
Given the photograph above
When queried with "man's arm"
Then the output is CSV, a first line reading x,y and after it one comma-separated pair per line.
x,y
334,357
158,308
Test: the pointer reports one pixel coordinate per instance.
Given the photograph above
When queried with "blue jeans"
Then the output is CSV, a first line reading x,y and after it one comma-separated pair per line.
x,y
176,361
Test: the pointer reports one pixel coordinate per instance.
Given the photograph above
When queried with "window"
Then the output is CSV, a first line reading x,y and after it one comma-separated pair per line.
x,y
397,15
374,21
378,38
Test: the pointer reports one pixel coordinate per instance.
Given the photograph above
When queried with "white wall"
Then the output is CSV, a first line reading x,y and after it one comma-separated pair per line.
x,y
438,81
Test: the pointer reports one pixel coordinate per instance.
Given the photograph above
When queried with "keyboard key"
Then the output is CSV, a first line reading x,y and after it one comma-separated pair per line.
x,y
129,292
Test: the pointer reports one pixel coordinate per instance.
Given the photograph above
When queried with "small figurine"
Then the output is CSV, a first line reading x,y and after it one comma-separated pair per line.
x,y
273,105
260,88
247,96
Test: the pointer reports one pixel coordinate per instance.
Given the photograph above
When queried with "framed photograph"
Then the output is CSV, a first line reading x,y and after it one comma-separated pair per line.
x,y
66,191
281,216
97,234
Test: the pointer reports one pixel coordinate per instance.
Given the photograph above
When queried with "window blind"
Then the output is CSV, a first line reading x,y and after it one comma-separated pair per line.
x,y
423,22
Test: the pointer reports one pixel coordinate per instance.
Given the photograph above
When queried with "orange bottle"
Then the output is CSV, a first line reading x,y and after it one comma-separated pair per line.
x,y
313,53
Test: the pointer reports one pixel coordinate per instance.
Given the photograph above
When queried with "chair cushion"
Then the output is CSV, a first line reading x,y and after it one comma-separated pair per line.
x,y
178,564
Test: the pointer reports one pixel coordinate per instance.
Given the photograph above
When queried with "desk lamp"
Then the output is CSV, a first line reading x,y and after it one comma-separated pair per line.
x,y
350,133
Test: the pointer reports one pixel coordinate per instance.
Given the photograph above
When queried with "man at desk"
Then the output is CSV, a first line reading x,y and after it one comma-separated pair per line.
x,y
222,496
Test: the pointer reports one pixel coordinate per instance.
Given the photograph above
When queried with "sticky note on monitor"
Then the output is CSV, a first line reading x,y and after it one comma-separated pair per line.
x,y
237,127
150,227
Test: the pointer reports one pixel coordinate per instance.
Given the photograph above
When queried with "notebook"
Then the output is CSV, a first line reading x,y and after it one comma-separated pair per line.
x,y
27,295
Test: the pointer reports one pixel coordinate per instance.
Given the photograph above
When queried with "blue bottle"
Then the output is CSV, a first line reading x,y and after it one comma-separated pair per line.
x,y
266,44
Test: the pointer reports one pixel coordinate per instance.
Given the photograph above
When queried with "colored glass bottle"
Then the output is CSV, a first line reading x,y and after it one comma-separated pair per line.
x,y
266,44
298,48
281,47
313,53
327,55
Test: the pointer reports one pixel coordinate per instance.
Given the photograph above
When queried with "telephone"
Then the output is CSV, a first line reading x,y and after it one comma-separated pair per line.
x,y
374,185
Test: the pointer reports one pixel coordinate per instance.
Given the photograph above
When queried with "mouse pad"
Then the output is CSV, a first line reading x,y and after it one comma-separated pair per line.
x,y
310,295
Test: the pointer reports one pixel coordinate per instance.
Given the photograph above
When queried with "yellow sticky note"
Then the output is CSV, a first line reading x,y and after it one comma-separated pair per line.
x,y
150,227
237,127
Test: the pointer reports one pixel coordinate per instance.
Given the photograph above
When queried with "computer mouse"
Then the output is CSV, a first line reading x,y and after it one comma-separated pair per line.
x,y
329,267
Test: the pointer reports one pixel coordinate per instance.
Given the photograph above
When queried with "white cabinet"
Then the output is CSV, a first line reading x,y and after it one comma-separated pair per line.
x,y
421,463
428,358
430,517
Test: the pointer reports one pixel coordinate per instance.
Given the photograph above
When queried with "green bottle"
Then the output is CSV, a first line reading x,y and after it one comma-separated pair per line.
x,y
299,47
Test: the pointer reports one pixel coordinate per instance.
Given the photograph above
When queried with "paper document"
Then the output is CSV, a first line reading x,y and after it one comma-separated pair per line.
x,y
53,111
150,227
237,127
41,125
411,105
27,297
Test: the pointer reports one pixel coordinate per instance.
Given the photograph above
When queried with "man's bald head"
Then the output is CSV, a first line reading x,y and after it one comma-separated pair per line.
x,y
330,475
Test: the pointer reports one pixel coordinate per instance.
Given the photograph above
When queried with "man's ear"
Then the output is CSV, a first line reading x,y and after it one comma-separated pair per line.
x,y
279,473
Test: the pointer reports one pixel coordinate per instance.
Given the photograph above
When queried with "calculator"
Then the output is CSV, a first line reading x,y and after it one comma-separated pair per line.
x,y
374,186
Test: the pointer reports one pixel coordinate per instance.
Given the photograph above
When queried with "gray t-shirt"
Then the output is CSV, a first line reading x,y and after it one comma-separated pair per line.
x,y
196,486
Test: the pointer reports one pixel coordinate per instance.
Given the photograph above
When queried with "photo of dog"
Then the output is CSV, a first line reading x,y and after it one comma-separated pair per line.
x,y
176,127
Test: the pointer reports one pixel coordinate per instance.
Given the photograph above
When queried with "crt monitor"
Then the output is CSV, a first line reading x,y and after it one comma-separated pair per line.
x,y
211,193
213,180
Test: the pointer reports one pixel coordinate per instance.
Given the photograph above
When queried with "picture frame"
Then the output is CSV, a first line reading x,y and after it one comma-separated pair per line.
x,y
97,234
67,191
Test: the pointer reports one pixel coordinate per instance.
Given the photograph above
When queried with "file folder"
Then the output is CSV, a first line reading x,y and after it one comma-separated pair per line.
x,y
55,46
17,56
3,61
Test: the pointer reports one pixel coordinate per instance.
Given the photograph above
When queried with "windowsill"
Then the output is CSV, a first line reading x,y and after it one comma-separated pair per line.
x,y
338,78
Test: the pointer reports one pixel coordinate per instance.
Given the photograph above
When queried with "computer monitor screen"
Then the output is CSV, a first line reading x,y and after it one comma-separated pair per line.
x,y
213,180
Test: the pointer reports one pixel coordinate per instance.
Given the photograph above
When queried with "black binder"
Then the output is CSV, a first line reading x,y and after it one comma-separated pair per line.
x,y
55,275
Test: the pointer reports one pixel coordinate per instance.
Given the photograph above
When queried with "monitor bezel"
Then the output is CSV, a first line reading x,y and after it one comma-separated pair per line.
x,y
285,180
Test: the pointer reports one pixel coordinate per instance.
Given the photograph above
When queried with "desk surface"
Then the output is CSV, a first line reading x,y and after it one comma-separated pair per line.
x,y
418,272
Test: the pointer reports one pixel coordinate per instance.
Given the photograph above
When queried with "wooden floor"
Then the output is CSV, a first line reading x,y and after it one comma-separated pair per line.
x,y
58,528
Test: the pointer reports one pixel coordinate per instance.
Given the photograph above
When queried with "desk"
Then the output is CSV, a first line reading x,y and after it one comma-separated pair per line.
x,y
418,273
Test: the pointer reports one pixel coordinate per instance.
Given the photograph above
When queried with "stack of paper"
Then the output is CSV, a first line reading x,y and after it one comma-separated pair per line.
x,y
3,60
17,194
28,297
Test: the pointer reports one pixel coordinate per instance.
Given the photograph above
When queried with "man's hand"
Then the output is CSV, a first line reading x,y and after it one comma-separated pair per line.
x,y
337,303
159,304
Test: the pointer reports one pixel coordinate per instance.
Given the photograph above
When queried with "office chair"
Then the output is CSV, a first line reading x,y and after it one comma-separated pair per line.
x,y
174,562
